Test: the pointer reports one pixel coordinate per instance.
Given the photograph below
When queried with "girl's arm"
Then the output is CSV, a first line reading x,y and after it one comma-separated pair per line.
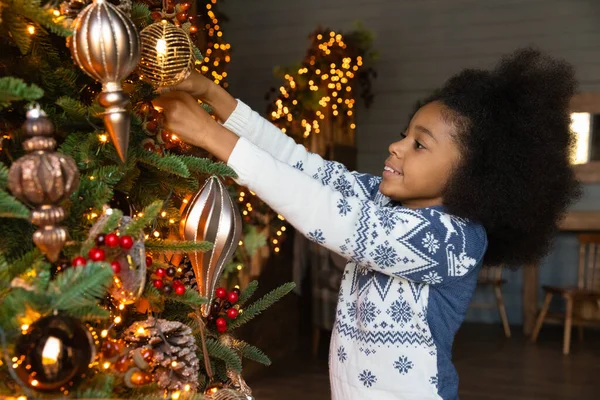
x,y
425,245
246,123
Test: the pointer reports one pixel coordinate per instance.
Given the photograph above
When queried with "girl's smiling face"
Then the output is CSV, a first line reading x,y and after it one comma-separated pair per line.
x,y
422,161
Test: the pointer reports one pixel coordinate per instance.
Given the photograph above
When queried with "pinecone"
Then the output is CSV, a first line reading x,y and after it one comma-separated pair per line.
x,y
188,277
174,351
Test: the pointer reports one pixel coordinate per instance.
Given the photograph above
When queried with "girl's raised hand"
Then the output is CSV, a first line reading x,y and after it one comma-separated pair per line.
x,y
185,117
197,85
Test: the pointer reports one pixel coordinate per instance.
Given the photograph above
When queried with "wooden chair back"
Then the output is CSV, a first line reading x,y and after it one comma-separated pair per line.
x,y
490,274
588,277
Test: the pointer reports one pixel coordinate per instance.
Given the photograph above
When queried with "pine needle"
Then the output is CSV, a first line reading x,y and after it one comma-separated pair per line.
x,y
261,305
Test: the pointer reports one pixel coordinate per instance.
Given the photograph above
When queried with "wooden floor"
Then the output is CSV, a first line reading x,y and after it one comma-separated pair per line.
x,y
490,368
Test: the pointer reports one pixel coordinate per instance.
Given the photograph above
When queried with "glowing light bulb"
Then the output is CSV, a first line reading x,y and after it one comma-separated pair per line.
x,y
161,48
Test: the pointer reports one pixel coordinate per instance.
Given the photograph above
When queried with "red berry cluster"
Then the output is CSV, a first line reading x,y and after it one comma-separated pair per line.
x,y
224,306
112,241
161,274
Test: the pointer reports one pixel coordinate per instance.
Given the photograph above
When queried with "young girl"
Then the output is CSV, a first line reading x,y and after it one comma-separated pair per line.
x,y
481,175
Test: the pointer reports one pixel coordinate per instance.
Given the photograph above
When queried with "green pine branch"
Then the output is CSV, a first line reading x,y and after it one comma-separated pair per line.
x,y
129,180
3,176
253,353
148,215
261,305
80,286
219,351
17,28
248,292
34,11
197,53
99,386
190,298
77,110
109,174
254,240
11,207
15,89
199,165
141,15
154,297
89,312
177,246
167,163
30,260
112,222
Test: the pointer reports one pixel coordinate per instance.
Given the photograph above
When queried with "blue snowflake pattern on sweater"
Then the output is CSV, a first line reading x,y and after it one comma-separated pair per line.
x,y
299,166
317,236
344,207
367,378
401,312
385,255
434,381
343,185
341,353
403,365
367,312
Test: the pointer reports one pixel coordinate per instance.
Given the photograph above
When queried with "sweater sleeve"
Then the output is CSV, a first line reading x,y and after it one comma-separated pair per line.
x,y
250,125
425,245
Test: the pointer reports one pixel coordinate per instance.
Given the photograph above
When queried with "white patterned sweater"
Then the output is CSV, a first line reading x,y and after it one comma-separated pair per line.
x,y
409,278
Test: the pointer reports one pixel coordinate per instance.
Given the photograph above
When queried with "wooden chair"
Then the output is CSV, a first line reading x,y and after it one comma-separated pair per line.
x,y
587,291
491,277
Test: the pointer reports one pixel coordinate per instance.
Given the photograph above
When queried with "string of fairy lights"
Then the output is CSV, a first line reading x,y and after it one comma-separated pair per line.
x,y
328,74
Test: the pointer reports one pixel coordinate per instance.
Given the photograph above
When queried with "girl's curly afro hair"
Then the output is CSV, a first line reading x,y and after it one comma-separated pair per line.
x,y
513,129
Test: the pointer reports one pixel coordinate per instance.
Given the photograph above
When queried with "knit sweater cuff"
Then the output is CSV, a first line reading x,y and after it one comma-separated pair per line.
x,y
245,161
238,121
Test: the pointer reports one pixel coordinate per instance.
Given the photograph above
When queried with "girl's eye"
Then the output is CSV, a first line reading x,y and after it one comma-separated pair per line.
x,y
419,146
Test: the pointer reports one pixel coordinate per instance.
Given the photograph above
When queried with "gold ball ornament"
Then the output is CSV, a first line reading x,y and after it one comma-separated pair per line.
x,y
42,179
54,354
167,55
106,46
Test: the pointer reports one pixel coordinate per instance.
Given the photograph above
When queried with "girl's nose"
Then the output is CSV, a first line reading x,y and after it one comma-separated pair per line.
x,y
395,149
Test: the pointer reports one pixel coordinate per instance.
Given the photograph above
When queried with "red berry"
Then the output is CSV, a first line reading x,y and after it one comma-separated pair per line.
x,y
176,283
79,261
158,284
126,242
221,329
152,126
221,322
111,240
160,272
182,16
116,266
232,313
180,289
221,293
148,261
156,16
232,297
96,254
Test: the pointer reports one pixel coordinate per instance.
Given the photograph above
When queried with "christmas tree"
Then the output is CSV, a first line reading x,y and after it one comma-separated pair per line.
x,y
107,288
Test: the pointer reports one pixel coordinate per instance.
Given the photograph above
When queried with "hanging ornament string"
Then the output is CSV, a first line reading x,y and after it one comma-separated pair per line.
x,y
207,366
